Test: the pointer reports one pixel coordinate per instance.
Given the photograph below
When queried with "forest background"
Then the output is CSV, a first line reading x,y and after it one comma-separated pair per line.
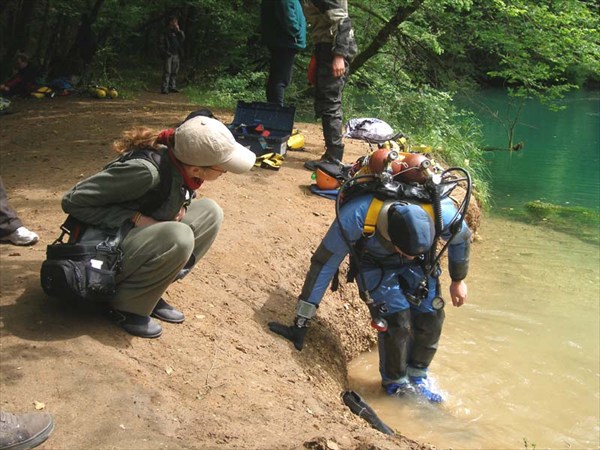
x,y
415,57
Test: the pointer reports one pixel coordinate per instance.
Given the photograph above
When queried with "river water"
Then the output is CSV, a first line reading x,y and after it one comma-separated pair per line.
x,y
519,364
560,160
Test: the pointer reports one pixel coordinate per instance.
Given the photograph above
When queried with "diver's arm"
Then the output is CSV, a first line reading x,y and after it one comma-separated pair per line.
x,y
458,255
332,251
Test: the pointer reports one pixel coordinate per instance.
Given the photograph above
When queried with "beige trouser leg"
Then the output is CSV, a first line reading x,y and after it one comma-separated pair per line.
x,y
154,255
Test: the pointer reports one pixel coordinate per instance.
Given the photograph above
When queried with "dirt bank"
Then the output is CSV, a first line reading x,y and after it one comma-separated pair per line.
x,y
219,380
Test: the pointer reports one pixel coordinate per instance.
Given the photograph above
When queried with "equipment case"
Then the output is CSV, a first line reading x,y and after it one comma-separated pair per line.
x,y
278,120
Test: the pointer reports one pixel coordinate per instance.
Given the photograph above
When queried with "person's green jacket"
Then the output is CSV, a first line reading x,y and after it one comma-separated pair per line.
x,y
330,24
283,24
108,198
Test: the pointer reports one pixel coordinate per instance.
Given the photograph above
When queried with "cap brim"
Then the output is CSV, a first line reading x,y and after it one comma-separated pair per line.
x,y
241,160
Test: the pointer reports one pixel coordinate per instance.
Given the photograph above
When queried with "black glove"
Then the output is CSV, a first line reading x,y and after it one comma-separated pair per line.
x,y
292,333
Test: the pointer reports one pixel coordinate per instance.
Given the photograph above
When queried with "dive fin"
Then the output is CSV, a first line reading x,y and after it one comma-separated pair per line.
x,y
359,407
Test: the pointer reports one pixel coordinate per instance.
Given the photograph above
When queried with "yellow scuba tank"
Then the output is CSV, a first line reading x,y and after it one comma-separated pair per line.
x,y
43,91
112,92
100,92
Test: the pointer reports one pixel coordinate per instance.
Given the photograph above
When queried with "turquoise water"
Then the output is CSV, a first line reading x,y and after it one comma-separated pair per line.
x,y
560,161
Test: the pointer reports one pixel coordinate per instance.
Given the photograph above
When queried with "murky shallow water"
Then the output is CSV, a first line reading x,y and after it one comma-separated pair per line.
x,y
520,363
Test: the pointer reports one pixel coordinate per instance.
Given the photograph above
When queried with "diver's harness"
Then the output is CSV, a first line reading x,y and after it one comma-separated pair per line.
x,y
438,184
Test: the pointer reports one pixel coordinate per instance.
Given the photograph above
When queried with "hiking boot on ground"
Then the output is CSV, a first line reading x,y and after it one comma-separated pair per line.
x,y
312,165
163,91
421,387
21,236
24,431
174,90
167,313
141,326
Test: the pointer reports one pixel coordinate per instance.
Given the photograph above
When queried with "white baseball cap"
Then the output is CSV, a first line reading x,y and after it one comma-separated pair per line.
x,y
205,142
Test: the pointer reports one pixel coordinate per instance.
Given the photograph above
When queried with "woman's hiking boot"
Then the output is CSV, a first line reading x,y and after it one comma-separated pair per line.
x,y
141,326
167,313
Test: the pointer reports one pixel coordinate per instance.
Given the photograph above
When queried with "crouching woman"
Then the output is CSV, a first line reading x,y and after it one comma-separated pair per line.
x,y
153,185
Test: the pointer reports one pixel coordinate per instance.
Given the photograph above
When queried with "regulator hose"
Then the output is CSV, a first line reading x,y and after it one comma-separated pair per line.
x,y
456,223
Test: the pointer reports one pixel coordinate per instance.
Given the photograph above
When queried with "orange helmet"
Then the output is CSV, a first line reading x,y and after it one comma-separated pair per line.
x,y
325,181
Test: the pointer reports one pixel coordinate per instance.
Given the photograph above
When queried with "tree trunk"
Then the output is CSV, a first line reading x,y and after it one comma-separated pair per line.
x,y
51,58
19,39
95,11
42,38
402,13
84,45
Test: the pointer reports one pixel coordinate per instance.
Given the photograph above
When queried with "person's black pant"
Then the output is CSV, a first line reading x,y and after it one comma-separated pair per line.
x,y
409,345
170,70
280,73
328,101
9,221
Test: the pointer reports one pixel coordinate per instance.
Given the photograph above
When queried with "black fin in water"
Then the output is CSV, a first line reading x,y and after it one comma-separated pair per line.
x,y
359,407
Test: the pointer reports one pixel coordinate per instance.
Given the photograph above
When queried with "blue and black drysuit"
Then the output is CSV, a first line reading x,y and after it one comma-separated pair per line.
x,y
410,343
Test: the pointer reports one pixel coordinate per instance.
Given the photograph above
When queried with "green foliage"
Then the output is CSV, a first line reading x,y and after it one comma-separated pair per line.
x,y
534,46
440,47
428,117
225,91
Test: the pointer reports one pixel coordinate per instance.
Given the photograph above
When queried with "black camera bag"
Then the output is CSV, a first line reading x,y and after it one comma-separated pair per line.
x,y
82,271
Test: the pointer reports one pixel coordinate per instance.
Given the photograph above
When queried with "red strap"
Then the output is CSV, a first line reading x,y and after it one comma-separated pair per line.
x,y
311,73
191,183
167,137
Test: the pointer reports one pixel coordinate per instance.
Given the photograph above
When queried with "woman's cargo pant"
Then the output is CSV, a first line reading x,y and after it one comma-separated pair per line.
x,y
154,255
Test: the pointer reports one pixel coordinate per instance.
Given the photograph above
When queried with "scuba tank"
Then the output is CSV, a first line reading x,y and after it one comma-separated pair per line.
x,y
391,175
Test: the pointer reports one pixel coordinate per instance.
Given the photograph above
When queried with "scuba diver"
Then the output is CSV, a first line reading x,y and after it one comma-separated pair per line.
x,y
392,241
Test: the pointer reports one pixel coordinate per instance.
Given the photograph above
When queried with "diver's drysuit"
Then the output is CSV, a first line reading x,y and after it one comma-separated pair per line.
x,y
414,328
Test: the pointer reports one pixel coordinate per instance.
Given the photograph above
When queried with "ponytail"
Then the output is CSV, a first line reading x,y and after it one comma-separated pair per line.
x,y
140,137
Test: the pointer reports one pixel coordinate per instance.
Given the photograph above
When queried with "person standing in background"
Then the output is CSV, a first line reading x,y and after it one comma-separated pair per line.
x,y
171,45
283,29
334,49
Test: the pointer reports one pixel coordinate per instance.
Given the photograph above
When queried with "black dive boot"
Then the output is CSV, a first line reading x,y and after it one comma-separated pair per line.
x,y
295,333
